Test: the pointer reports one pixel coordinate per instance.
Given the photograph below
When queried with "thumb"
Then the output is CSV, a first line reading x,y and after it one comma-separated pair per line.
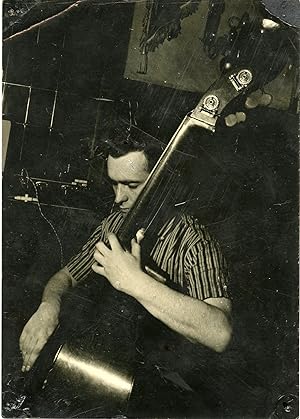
x,y
140,235
135,249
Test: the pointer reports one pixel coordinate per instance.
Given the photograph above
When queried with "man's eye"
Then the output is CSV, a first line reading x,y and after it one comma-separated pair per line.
x,y
133,185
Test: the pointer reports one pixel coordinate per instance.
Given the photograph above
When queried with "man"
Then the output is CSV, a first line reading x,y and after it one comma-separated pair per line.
x,y
197,306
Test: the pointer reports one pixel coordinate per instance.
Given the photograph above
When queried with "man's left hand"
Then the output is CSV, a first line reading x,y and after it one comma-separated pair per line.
x,y
119,266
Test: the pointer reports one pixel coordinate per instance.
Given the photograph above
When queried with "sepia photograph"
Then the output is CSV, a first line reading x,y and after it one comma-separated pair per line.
x,y
150,209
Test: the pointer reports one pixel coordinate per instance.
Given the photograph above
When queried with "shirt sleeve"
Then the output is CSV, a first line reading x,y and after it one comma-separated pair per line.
x,y
206,269
80,266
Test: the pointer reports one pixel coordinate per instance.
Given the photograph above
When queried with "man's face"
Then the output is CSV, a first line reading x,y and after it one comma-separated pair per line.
x,y
128,174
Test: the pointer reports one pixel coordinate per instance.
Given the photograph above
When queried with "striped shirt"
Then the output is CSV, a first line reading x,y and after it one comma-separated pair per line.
x,y
184,250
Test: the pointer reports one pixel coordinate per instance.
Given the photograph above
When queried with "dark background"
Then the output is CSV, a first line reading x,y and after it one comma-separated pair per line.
x,y
59,84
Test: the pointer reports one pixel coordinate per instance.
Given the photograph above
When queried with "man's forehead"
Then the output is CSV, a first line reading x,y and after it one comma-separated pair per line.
x,y
130,164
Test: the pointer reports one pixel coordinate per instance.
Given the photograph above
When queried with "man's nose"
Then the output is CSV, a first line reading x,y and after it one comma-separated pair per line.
x,y
120,193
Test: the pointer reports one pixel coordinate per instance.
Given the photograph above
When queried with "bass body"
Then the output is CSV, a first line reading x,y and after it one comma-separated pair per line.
x,y
89,361
109,357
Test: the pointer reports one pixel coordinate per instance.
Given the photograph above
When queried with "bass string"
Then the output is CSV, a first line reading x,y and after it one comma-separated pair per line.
x,y
165,193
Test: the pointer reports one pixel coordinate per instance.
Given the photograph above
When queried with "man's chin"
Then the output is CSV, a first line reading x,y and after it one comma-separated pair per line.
x,y
124,211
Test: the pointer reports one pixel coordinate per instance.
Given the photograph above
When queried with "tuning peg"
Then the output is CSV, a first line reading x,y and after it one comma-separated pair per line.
x,y
233,119
258,98
240,117
230,120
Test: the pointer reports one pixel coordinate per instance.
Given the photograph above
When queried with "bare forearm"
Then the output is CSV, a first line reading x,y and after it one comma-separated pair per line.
x,y
200,321
56,287
195,319
43,322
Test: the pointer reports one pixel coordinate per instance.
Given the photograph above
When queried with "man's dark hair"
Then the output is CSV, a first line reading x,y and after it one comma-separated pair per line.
x,y
126,138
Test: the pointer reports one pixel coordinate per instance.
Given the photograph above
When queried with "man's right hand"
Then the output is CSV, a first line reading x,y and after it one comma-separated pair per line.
x,y
37,331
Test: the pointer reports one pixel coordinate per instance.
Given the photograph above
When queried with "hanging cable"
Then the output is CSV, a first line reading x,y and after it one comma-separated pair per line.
x,y
27,177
